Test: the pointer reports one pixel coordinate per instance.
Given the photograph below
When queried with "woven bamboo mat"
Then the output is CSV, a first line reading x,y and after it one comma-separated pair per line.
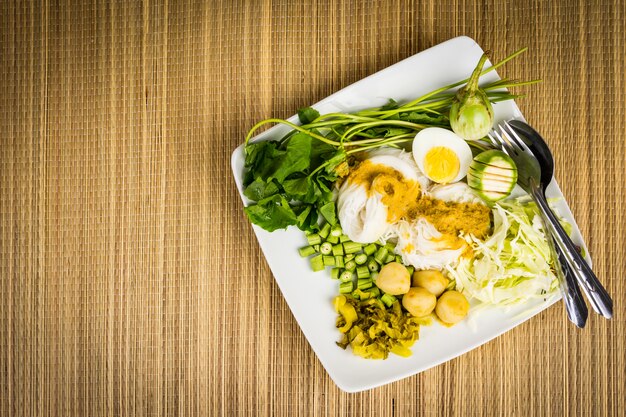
x,y
132,284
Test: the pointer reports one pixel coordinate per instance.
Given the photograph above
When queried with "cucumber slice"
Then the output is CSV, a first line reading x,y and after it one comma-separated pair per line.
x,y
493,175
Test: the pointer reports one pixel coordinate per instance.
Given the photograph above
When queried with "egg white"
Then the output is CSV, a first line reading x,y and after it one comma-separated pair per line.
x,y
431,137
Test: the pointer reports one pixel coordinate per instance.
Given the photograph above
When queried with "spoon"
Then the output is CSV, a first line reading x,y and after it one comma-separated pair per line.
x,y
597,295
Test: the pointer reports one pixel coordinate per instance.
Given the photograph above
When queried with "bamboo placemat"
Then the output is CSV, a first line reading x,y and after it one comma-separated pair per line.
x,y
131,282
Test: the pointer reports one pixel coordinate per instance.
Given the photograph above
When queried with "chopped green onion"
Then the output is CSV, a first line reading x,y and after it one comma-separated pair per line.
x,y
411,269
338,249
317,263
328,260
317,248
339,261
344,238
362,272
325,231
398,259
334,273
370,249
390,258
364,284
345,276
372,265
314,239
352,247
350,265
388,299
306,251
332,239
326,248
349,256
336,231
345,287
381,255
390,247
360,259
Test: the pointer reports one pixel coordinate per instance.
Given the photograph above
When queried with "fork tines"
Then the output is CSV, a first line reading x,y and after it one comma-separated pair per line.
x,y
507,139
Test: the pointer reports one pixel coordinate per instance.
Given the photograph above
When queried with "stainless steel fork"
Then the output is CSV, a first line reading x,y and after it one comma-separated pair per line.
x,y
529,174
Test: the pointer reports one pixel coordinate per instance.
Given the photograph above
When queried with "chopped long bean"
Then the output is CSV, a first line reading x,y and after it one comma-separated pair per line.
x,y
317,263
314,239
381,255
364,284
360,259
362,272
325,231
306,251
352,247
370,249
350,265
328,260
326,248
346,276
388,299
345,287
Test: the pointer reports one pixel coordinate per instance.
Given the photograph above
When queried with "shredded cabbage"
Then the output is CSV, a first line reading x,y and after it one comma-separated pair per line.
x,y
512,266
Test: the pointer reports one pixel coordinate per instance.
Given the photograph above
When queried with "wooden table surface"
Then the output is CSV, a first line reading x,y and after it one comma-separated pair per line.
x,y
131,282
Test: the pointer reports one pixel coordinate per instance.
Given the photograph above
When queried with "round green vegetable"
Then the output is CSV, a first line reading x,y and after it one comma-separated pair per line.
x,y
492,174
471,113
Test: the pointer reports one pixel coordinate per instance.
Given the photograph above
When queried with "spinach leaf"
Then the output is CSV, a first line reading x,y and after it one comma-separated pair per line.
x,y
307,115
272,213
391,105
260,189
292,182
296,158
430,119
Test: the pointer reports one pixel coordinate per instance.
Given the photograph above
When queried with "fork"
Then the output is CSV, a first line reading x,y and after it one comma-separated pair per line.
x,y
529,174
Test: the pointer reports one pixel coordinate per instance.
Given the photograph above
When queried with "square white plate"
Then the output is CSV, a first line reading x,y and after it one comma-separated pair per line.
x,y
309,294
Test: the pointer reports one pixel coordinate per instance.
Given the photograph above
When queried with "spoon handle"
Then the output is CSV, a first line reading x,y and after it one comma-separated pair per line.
x,y
575,306
578,313
591,286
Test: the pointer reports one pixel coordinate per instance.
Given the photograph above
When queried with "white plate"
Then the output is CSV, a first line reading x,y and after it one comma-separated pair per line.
x,y
310,294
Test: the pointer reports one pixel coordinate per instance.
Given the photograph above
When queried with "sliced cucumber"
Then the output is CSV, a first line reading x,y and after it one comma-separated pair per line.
x,y
493,175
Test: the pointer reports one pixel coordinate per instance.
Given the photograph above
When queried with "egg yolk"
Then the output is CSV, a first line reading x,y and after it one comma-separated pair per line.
x,y
441,164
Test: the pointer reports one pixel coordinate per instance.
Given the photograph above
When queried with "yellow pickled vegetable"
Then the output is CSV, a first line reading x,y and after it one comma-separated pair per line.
x,y
378,330
347,311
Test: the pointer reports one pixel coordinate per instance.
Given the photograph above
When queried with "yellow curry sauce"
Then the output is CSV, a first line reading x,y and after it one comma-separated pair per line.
x,y
404,200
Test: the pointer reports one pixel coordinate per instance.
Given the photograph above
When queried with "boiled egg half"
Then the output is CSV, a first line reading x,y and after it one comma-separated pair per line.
x,y
441,155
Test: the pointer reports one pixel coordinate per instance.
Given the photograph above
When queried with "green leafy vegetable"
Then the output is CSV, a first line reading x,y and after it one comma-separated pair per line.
x,y
307,115
291,182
